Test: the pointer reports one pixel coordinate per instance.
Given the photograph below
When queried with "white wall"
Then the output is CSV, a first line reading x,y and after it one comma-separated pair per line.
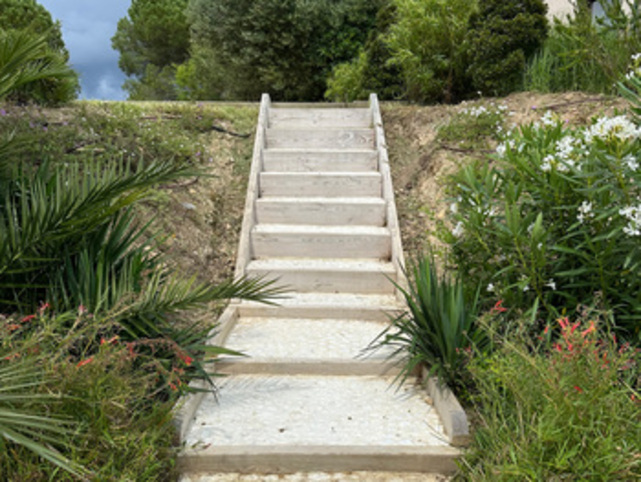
x,y
559,8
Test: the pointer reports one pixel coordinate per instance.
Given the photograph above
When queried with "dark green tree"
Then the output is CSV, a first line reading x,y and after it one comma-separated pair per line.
x,y
502,36
35,20
284,47
152,40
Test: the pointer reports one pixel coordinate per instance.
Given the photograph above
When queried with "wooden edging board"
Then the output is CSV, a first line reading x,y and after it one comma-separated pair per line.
x,y
453,417
398,259
310,458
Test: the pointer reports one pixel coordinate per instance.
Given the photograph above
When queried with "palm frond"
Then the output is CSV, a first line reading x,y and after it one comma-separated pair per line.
x,y
24,60
21,424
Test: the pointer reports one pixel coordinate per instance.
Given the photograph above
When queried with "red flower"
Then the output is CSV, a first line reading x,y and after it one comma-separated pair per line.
x,y
27,318
13,327
498,308
43,307
111,340
578,389
82,363
590,329
186,359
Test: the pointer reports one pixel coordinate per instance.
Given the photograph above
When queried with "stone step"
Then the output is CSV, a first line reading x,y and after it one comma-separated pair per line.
x,y
368,211
309,241
327,184
327,275
320,160
320,117
299,346
344,306
320,138
281,424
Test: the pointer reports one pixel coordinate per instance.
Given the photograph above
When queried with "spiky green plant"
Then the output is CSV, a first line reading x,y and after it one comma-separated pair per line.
x,y
438,326
22,423
24,60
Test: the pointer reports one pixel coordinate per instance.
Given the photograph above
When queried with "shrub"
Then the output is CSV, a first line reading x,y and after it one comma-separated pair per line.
x,y
588,54
286,48
566,408
438,330
555,219
371,70
502,36
426,43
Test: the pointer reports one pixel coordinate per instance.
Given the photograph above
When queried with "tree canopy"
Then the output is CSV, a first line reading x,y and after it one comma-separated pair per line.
x,y
152,40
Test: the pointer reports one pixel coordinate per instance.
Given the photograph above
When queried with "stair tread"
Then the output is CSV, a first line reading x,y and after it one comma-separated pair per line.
x,y
339,264
376,301
357,230
279,339
321,411
322,199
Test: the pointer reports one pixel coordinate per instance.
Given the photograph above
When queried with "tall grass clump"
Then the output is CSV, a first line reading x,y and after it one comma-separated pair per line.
x,y
564,408
554,221
587,53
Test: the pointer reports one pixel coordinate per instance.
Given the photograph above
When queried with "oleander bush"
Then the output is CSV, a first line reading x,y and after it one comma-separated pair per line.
x,y
554,220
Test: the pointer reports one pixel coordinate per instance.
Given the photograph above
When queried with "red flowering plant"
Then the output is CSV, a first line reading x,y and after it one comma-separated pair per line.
x,y
587,360
568,407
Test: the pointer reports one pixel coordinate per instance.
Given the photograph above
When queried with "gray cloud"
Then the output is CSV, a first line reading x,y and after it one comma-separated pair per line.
x,y
87,28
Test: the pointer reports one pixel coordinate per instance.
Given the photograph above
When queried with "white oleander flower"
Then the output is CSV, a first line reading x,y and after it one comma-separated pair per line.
x,y
633,215
458,229
551,284
619,127
548,119
631,162
490,288
585,211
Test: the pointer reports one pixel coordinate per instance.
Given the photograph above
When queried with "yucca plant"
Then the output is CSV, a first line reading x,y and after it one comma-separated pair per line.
x,y
438,328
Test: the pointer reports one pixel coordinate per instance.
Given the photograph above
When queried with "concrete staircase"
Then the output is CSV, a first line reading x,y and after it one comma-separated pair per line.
x,y
320,218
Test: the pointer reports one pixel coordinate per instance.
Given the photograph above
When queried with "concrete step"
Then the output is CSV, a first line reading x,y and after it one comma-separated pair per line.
x,y
344,306
327,184
310,275
309,241
330,423
299,346
320,138
366,211
320,117
320,160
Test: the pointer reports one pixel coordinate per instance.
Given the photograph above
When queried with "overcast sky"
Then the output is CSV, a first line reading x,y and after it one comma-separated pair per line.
x,y
87,28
